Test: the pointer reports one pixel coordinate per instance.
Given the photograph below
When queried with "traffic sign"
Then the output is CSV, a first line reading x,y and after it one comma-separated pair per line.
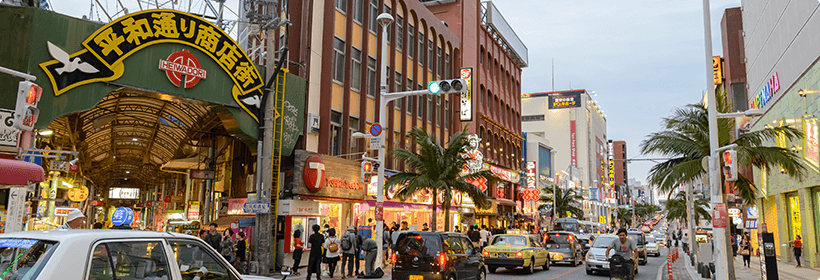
x,y
376,130
548,206
379,211
375,143
257,207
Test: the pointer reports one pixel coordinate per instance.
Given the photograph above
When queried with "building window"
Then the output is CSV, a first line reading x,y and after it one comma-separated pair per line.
x,y
447,66
446,114
389,28
438,110
335,133
372,83
440,63
358,10
397,103
481,96
356,69
421,49
430,56
489,61
409,99
353,125
410,41
400,32
420,106
481,56
338,60
341,5
429,108
532,118
374,13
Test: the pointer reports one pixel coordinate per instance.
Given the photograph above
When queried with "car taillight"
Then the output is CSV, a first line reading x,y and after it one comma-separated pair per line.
x,y
394,257
442,260
519,255
485,253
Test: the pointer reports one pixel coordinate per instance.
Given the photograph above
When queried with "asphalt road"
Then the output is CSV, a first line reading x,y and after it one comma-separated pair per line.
x,y
567,272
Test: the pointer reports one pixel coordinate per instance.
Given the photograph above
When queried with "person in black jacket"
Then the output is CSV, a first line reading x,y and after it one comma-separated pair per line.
x,y
316,241
214,238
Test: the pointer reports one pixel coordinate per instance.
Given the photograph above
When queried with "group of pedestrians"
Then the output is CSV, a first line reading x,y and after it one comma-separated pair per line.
x,y
328,248
233,250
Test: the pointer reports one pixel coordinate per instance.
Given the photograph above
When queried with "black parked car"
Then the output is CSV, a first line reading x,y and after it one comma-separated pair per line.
x,y
563,247
422,255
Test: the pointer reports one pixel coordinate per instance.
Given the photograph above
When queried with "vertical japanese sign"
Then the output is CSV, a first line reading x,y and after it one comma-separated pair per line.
x,y
467,96
572,144
811,151
611,154
16,207
531,174
717,69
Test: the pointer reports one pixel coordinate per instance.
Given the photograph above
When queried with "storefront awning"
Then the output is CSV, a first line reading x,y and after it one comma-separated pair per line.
x,y
507,202
16,172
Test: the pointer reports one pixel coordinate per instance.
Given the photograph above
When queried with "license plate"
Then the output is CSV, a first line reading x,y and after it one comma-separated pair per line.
x,y
416,277
606,265
500,255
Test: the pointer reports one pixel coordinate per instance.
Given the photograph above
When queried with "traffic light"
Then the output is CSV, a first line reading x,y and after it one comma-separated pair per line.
x,y
26,112
447,86
367,171
730,167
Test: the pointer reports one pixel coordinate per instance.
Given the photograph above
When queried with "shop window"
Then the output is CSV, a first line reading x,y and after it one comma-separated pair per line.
x,y
338,60
356,69
795,223
335,133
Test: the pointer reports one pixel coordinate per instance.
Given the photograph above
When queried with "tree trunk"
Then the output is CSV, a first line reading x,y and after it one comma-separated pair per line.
x,y
433,214
446,205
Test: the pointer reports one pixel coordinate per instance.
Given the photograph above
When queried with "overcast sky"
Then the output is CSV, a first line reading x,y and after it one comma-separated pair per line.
x,y
641,57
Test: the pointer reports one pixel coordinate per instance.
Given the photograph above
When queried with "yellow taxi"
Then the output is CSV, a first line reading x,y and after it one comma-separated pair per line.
x,y
516,250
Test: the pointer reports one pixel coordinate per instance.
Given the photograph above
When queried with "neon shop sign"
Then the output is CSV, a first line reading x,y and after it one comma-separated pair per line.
x,y
765,94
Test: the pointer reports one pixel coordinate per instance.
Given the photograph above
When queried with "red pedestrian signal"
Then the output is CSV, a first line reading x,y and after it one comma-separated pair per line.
x,y
25,111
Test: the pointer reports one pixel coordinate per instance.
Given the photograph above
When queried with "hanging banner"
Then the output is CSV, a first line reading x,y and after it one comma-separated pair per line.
x,y
811,151
104,51
467,96
717,69
572,147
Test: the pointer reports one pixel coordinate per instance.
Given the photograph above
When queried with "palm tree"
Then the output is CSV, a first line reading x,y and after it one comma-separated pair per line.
x,y
643,210
625,217
685,140
437,169
567,201
676,209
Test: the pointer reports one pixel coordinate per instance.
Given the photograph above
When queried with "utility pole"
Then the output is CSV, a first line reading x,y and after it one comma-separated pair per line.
x,y
690,217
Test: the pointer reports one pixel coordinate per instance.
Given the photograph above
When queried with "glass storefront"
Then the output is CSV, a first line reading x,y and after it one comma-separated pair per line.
x,y
795,224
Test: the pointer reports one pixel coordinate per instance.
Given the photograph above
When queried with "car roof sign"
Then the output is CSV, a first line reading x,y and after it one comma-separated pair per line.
x,y
17,243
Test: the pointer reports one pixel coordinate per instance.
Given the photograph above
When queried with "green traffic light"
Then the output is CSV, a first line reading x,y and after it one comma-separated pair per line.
x,y
433,88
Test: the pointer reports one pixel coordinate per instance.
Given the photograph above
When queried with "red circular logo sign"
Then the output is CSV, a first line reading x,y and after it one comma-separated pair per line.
x,y
314,173
183,66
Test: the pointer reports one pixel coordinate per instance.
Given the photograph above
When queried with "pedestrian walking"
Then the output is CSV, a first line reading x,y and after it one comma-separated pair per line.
x,y
316,241
369,247
349,251
475,236
226,249
798,249
746,251
386,241
734,246
485,236
298,248
332,248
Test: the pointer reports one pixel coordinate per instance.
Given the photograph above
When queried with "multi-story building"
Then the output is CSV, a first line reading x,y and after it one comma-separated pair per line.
x,y
618,171
783,76
572,123
337,46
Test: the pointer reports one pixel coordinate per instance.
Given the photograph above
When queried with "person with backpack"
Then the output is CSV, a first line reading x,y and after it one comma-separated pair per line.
x,y
332,248
348,250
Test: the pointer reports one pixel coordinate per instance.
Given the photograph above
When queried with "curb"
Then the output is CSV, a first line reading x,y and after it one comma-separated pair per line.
x,y
692,272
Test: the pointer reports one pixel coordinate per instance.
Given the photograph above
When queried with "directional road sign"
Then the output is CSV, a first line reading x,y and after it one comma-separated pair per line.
x,y
257,207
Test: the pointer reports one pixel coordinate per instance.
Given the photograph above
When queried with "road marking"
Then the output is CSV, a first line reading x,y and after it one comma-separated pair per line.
x,y
568,272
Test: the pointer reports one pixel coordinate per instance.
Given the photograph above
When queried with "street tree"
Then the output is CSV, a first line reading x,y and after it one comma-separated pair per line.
x,y
439,170
676,209
567,201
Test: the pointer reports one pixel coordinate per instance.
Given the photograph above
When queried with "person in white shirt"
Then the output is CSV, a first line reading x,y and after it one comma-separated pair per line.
x,y
485,236
333,246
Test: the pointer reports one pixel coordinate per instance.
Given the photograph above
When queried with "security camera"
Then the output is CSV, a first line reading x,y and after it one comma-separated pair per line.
x,y
74,161
384,19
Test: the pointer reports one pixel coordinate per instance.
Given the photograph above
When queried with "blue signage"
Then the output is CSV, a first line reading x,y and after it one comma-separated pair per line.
x,y
119,216
594,195
129,216
17,243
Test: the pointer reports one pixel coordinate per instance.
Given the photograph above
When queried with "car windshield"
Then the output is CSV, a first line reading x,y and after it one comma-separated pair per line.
x,y
510,240
637,238
414,244
603,241
23,258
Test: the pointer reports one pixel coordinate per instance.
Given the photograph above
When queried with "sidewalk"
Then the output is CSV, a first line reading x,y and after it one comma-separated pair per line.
x,y
338,275
679,271
786,271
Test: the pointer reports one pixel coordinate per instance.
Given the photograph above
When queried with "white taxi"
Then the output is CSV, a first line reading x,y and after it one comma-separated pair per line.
x,y
111,254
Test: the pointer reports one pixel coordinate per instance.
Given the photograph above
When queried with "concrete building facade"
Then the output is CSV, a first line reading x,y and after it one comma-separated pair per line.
x,y
783,77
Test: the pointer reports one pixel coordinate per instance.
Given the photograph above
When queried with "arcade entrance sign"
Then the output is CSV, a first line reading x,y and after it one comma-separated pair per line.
x,y
101,59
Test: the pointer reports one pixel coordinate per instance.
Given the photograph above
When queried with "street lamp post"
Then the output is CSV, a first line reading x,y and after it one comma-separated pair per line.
x,y
384,20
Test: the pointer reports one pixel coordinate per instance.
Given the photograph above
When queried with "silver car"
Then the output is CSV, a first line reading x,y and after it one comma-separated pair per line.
x,y
111,254
652,248
596,257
